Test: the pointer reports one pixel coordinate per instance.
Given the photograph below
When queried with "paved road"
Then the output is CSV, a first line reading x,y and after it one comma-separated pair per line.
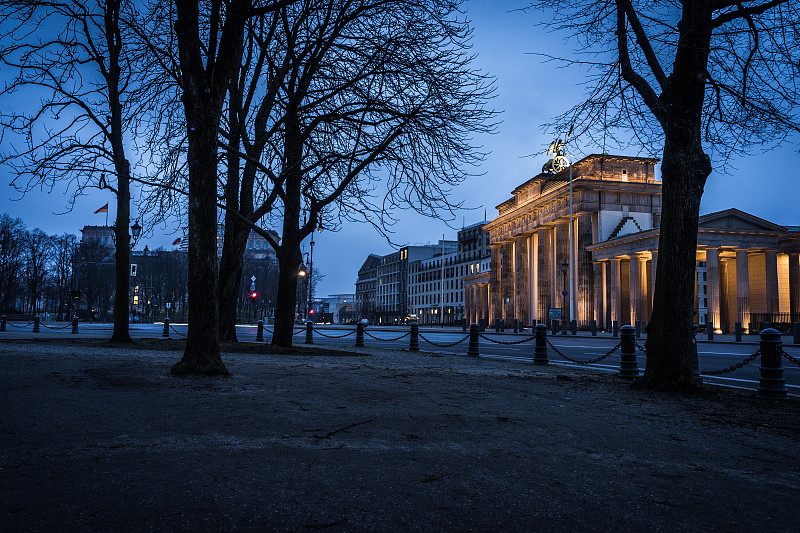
x,y
712,355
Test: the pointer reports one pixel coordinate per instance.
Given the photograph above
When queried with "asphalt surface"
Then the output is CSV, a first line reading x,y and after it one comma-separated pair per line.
x,y
100,438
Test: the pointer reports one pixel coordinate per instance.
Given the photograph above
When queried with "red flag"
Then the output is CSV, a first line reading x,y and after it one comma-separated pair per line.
x,y
103,209
176,242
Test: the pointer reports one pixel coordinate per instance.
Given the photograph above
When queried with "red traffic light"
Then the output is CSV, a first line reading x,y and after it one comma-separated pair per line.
x,y
253,295
310,311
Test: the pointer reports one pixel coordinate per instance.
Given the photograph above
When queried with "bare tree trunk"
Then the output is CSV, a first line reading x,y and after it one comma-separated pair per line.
x,y
122,254
230,276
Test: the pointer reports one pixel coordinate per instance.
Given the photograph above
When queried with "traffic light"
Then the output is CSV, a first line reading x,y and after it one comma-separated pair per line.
x,y
253,295
310,311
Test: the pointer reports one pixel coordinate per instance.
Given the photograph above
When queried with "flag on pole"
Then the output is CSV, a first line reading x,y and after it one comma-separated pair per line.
x,y
103,209
176,242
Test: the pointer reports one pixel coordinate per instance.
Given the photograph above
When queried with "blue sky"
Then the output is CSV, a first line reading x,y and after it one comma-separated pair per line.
x,y
529,93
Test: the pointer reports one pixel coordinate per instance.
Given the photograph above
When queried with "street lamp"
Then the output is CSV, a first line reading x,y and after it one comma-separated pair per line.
x,y
136,230
564,293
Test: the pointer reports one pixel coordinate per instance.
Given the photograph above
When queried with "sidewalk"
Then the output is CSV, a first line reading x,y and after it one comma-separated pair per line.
x,y
100,438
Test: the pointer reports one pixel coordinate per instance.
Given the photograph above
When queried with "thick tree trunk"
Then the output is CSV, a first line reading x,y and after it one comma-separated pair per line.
x,y
202,355
122,255
684,170
287,294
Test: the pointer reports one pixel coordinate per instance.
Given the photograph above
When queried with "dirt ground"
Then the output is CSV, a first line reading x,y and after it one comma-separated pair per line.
x,y
101,438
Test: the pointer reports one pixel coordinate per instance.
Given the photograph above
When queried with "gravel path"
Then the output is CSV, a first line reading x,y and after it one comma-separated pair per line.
x,y
97,438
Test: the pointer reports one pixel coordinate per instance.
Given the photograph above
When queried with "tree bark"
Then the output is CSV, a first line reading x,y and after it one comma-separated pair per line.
x,y
230,275
685,168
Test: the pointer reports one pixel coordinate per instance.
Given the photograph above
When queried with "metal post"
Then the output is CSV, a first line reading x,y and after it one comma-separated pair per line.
x,y
516,326
737,330
628,366
796,332
638,326
360,335
473,350
555,327
165,333
260,331
593,327
413,344
574,326
36,320
615,328
309,332
564,326
540,347
502,325
772,386
709,331
3,323
74,324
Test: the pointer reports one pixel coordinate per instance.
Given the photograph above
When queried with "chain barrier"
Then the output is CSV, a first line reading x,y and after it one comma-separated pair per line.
x,y
526,339
731,368
421,336
789,357
334,336
301,330
640,347
64,327
592,361
15,326
176,331
385,340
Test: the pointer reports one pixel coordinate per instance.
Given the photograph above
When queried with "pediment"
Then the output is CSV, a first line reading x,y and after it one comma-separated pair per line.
x,y
734,219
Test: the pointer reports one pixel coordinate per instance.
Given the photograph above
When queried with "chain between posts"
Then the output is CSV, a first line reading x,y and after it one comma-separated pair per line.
x,y
640,347
597,360
527,339
731,368
385,340
15,326
301,330
443,345
176,331
335,336
789,357
64,327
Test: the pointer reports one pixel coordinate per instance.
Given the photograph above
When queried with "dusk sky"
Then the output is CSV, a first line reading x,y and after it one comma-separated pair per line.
x,y
529,93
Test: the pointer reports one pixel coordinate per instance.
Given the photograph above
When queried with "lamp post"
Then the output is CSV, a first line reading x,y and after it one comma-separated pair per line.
x,y
564,294
301,273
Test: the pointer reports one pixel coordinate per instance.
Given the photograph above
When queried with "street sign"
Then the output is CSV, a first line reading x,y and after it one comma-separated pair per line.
x,y
564,293
253,279
554,313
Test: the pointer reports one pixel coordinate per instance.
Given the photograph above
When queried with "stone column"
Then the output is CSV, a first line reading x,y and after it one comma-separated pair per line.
x,y
583,300
614,296
599,283
794,287
712,286
522,279
533,281
543,276
771,277
495,284
653,268
742,288
636,287
507,295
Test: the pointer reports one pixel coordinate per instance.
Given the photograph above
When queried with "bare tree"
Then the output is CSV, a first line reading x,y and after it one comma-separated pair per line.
x,y
683,78
12,238
367,106
73,53
61,272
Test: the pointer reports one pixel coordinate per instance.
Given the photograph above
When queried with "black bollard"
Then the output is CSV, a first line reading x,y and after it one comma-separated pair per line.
x,y
574,327
3,323
463,324
593,327
694,362
516,326
497,325
473,350
540,347
309,332
564,326
628,366
737,330
796,332
260,331
74,324
709,331
165,333
772,385
36,320
615,328
555,327
638,326
360,334
413,344
502,325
